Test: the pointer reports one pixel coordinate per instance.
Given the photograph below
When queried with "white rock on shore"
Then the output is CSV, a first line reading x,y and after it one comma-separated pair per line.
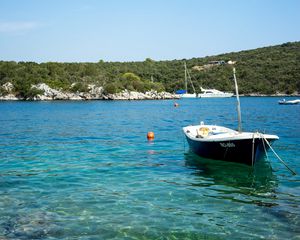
x,y
9,97
8,87
53,94
131,95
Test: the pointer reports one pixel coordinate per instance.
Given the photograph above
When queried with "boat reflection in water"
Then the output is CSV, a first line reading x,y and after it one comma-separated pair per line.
x,y
255,185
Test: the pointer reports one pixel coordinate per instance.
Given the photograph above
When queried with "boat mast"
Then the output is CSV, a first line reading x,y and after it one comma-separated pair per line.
x,y
189,76
238,102
185,77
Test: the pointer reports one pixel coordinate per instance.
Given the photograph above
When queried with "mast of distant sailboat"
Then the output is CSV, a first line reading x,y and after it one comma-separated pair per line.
x,y
186,76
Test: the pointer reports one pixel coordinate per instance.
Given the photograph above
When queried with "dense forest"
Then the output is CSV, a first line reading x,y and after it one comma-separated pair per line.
x,y
267,70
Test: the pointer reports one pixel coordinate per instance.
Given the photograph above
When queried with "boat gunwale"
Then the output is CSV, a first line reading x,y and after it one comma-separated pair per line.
x,y
230,135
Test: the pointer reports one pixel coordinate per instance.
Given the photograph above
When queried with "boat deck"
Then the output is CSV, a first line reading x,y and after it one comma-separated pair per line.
x,y
218,133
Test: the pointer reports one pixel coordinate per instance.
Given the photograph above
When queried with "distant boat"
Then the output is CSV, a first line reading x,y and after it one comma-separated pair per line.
x,y
214,93
185,93
290,102
221,143
189,95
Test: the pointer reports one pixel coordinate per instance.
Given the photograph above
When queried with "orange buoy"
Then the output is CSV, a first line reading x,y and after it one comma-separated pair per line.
x,y
150,135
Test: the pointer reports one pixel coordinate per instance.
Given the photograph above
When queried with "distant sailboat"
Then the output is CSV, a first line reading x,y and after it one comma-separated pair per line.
x,y
187,77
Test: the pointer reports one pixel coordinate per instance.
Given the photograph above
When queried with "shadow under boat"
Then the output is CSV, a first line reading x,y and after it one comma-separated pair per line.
x,y
256,180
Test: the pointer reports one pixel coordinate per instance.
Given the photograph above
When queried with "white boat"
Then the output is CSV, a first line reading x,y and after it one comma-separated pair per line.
x,y
221,143
289,102
188,95
214,93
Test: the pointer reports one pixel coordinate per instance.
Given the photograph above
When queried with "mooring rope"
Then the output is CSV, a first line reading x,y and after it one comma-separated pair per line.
x,y
292,171
265,149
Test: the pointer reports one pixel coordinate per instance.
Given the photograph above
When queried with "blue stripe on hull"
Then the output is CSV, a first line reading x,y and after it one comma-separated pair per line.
x,y
233,151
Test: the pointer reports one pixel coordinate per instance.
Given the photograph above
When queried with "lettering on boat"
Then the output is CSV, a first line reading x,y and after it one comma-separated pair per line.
x,y
227,145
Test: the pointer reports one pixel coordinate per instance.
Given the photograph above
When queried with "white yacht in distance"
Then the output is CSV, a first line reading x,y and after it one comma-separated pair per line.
x,y
213,93
188,95
205,93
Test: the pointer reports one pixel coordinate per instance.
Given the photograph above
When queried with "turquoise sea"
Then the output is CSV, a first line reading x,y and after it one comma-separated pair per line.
x,y
85,170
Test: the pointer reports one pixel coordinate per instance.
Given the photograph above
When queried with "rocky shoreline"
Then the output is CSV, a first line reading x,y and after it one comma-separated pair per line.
x,y
97,93
94,93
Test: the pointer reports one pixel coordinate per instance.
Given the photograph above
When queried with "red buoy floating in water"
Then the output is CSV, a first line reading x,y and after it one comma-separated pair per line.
x,y
150,136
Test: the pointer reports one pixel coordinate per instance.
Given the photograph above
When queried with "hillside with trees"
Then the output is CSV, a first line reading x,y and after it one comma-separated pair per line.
x,y
268,70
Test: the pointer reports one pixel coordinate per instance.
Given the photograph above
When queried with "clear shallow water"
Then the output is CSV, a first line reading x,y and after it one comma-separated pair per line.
x,y
85,170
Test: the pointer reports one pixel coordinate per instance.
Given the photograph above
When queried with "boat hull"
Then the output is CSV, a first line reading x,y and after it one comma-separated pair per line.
x,y
241,151
222,95
188,95
291,102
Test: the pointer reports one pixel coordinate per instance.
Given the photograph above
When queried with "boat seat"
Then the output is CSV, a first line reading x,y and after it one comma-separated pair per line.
x,y
202,132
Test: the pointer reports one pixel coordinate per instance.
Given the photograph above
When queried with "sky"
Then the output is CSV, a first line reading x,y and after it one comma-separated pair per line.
x,y
133,30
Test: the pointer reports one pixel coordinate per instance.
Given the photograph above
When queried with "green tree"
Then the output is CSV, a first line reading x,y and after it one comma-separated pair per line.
x,y
79,87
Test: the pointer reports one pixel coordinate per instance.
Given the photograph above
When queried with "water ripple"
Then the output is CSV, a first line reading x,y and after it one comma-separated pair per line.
x,y
85,170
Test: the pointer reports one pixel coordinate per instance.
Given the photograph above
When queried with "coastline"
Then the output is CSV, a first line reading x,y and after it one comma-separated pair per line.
x,y
123,96
131,97
46,93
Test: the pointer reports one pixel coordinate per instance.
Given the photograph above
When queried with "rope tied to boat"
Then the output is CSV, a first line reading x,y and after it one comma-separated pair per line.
x,y
283,162
265,149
